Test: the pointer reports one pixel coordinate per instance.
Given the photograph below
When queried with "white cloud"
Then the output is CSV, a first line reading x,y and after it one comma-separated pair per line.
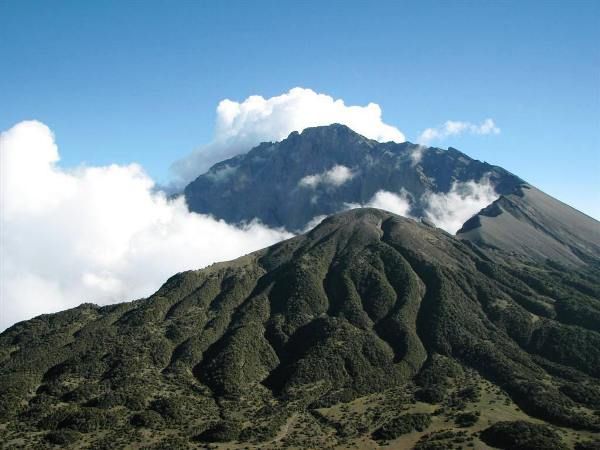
x,y
336,176
222,174
242,125
451,210
386,200
312,223
448,211
417,154
351,205
396,203
95,234
453,128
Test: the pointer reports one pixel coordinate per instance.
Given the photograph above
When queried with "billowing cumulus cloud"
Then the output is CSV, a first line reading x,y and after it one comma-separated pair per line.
x,y
452,209
454,128
242,125
396,203
336,176
95,234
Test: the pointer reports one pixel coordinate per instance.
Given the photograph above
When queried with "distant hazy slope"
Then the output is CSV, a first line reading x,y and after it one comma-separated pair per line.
x,y
265,183
531,223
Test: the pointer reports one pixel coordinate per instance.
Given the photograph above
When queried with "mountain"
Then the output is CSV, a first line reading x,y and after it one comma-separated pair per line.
x,y
370,329
327,169
288,183
530,223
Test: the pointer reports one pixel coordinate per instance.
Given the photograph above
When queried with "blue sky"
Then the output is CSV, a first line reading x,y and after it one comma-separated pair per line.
x,y
139,81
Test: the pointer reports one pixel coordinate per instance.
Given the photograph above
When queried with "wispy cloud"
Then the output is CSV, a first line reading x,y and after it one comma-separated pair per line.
x,y
447,210
450,210
336,176
454,128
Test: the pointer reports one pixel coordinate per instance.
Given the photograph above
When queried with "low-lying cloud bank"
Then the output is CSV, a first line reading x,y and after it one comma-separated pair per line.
x,y
243,125
95,234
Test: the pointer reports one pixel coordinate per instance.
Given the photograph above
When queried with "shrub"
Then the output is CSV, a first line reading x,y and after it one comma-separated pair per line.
x,y
586,394
432,394
469,394
171,409
588,445
146,419
62,437
223,431
81,394
522,435
467,419
86,420
133,400
403,424
171,443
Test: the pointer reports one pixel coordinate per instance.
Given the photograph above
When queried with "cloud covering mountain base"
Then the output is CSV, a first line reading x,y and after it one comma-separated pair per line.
x,y
95,234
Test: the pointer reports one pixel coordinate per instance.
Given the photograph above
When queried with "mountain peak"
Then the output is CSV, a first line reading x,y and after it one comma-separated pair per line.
x,y
329,134
288,183
331,128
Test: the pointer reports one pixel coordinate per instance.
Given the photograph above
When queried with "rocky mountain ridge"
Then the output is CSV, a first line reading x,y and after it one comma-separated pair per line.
x,y
323,169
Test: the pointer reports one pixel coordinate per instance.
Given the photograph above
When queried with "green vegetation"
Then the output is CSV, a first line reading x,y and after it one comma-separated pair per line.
x,y
522,436
588,445
223,431
279,347
443,440
403,424
467,419
62,438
